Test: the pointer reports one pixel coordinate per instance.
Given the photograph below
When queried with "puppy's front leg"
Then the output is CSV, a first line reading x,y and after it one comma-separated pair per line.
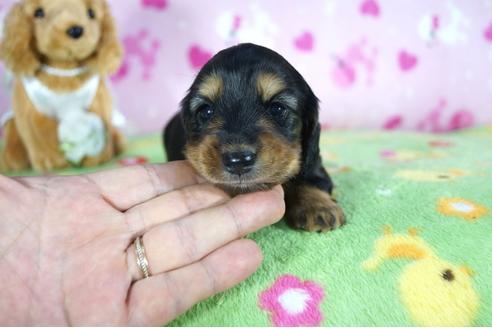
x,y
310,205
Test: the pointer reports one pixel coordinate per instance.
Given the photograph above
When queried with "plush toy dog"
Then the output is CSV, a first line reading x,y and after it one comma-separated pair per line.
x,y
59,52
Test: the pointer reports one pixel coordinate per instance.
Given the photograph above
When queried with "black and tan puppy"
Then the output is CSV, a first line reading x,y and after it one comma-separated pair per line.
x,y
250,122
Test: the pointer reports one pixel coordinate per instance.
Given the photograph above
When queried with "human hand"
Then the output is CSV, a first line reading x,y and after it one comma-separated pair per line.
x,y
67,255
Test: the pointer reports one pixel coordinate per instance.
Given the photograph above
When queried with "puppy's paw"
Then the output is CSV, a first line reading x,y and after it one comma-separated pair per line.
x,y
313,210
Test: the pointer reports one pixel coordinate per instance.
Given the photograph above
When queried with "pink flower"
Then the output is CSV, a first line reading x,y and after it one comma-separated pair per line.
x,y
292,302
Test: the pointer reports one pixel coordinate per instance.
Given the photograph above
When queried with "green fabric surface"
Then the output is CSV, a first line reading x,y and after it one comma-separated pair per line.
x,y
382,179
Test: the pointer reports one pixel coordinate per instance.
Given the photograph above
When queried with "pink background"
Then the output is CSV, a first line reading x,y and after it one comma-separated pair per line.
x,y
410,64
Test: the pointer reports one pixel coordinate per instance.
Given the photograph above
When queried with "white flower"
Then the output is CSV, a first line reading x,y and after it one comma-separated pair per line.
x,y
81,134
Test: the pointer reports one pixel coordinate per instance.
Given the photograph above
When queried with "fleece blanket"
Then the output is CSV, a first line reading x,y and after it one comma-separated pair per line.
x,y
417,248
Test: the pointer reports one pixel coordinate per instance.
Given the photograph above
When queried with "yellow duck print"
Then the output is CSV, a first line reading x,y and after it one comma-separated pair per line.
x,y
431,176
434,292
404,155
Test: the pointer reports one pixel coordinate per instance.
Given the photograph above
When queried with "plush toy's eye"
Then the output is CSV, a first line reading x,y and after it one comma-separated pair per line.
x,y
39,13
205,112
91,13
277,109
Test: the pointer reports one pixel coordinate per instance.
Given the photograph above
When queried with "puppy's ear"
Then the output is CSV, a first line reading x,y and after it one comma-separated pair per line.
x,y
310,134
108,56
16,48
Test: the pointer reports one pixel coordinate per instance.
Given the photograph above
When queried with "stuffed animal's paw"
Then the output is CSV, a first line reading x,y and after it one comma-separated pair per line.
x,y
45,163
13,161
119,142
105,156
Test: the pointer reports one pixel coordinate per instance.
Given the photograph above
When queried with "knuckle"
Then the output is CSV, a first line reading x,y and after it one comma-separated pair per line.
x,y
187,239
153,179
236,220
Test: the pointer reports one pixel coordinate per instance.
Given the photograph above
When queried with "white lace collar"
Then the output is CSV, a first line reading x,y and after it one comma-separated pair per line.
x,y
60,72
57,104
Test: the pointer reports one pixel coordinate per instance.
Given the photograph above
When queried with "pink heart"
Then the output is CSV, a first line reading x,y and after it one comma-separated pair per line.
x,y
305,42
488,33
157,4
393,122
461,119
407,60
370,8
198,57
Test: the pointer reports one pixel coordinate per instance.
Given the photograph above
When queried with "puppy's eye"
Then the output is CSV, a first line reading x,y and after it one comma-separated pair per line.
x,y
91,13
277,109
39,13
205,113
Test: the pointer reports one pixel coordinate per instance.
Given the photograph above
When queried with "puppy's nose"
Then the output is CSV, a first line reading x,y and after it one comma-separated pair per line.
x,y
239,162
75,32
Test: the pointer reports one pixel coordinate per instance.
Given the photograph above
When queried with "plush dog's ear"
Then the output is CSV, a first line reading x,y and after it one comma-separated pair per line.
x,y
107,58
16,48
310,135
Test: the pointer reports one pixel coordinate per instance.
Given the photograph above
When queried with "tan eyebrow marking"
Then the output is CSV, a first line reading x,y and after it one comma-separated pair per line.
x,y
211,87
268,85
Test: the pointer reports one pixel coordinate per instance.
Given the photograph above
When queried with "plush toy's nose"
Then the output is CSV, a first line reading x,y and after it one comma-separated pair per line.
x,y
75,32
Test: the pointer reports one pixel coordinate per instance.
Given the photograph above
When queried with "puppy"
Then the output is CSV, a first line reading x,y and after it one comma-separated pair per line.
x,y
250,122
59,51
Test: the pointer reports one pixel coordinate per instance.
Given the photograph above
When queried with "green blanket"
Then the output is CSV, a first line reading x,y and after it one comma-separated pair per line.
x,y
417,248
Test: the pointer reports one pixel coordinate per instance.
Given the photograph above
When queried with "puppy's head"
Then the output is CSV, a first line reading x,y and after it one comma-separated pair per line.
x,y
61,31
251,120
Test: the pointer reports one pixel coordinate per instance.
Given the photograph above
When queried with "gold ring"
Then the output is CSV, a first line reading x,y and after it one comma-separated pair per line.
x,y
142,261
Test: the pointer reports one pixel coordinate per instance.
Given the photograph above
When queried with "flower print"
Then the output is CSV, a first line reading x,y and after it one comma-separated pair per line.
x,y
292,302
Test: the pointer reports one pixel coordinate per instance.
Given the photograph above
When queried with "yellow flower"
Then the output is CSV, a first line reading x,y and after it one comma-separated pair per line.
x,y
461,208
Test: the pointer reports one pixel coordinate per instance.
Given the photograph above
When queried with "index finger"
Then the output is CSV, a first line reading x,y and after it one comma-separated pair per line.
x,y
130,186
190,238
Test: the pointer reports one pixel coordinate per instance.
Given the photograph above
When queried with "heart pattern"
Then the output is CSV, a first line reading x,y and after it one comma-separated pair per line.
x,y
407,61
156,4
488,33
305,42
394,122
356,55
370,8
198,57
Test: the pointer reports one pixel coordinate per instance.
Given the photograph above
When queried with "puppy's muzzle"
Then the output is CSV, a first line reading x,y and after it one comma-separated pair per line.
x,y
239,162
